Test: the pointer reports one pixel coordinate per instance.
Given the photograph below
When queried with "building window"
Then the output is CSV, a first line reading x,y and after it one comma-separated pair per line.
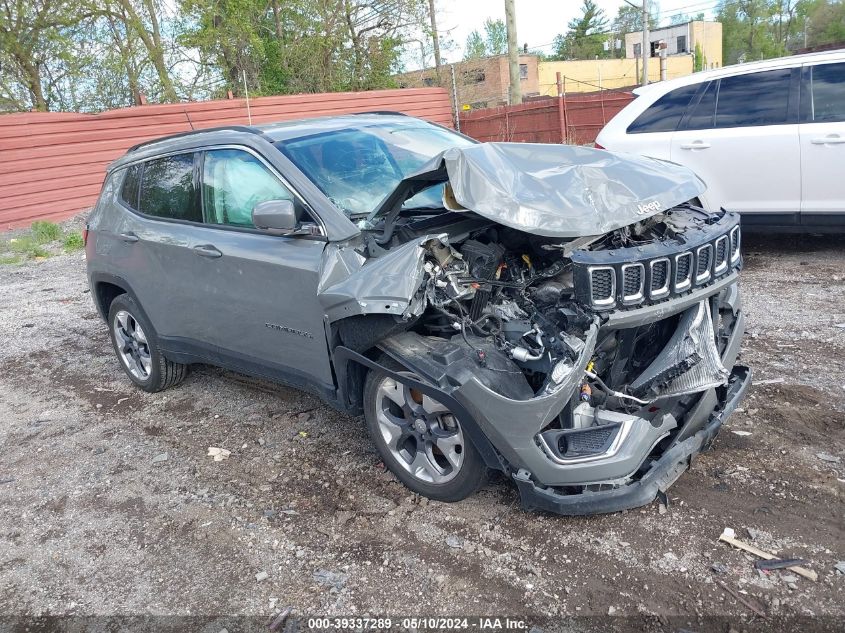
x,y
638,50
474,76
682,44
523,71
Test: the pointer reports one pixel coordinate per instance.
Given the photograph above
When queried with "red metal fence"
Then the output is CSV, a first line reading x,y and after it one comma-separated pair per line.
x,y
52,163
574,119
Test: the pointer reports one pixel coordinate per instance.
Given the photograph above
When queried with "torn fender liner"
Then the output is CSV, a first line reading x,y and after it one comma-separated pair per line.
x,y
690,361
351,285
555,190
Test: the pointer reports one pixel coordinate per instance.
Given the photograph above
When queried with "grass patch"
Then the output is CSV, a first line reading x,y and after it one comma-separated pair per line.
x,y
27,247
44,232
10,259
73,242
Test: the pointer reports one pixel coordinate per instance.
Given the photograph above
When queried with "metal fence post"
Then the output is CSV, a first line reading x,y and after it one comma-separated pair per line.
x,y
561,115
455,99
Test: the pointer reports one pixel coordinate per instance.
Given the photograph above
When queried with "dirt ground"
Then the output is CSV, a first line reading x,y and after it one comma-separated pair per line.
x,y
109,504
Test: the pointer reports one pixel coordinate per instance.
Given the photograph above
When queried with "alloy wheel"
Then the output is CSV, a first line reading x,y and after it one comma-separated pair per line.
x,y
422,435
132,345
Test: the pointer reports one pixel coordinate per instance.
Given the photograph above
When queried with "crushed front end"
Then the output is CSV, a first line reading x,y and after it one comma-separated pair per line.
x,y
595,367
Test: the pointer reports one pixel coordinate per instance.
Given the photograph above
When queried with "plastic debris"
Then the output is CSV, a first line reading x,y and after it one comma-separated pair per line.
x,y
219,454
729,537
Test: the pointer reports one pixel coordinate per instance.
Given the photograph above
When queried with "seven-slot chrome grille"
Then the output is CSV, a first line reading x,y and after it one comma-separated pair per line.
x,y
646,277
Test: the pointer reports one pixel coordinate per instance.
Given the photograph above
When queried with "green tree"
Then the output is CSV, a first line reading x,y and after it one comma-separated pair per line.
x,y
475,47
496,37
35,38
585,38
760,29
699,62
823,21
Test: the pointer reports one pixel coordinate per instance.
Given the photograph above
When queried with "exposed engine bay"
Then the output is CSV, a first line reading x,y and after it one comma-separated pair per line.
x,y
501,288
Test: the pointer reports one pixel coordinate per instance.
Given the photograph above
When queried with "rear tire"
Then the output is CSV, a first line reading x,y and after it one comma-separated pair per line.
x,y
419,440
135,344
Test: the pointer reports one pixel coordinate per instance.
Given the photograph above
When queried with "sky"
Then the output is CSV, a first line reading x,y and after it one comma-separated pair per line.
x,y
538,21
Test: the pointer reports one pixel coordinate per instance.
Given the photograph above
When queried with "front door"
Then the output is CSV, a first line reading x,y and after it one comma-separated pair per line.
x,y
822,133
259,291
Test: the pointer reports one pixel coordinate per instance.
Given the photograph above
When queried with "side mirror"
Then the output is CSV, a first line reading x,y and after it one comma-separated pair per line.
x,y
275,216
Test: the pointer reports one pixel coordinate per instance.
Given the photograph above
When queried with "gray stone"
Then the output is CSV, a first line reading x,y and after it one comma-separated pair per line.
x,y
455,542
161,457
328,578
262,575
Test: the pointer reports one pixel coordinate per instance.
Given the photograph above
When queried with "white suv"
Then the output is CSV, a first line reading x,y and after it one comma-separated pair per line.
x,y
767,137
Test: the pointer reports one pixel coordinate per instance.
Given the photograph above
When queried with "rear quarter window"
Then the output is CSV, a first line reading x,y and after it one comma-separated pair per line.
x,y
131,186
665,114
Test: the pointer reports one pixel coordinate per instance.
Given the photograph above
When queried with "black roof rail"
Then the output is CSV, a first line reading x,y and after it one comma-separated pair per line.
x,y
381,112
229,128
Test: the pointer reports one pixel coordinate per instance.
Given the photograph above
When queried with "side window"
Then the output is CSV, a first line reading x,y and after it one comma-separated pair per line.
x,y
131,186
235,181
828,93
665,113
701,116
754,99
167,188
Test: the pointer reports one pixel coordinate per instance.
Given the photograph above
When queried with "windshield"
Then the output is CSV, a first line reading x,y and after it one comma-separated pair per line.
x,y
358,167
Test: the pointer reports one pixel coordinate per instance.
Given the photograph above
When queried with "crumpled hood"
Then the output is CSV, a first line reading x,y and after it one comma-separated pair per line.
x,y
559,190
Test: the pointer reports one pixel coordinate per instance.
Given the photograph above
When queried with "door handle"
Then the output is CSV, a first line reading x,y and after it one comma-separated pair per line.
x,y
207,250
832,139
129,237
695,145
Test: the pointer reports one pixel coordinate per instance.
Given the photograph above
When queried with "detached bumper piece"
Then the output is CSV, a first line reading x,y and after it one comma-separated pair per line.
x,y
659,477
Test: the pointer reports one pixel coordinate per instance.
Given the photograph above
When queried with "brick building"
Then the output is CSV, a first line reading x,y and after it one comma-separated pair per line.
x,y
480,83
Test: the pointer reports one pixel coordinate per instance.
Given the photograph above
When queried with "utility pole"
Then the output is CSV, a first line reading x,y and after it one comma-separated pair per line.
x,y
515,92
646,47
435,39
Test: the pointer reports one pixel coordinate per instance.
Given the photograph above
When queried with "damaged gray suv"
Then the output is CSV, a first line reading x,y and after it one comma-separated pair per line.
x,y
567,316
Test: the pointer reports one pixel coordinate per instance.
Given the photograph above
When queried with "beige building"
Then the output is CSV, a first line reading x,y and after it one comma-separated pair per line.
x,y
680,39
480,83
590,75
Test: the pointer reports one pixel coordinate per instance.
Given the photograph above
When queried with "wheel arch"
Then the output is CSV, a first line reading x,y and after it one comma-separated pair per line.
x,y
105,288
349,363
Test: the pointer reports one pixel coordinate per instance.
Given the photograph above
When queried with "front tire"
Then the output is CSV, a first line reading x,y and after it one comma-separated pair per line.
x,y
136,346
420,440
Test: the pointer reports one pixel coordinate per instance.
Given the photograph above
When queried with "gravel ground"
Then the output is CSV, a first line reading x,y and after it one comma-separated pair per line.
x,y
110,505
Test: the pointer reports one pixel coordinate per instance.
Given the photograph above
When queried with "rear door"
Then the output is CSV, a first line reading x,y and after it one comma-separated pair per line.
x,y
741,136
159,236
822,137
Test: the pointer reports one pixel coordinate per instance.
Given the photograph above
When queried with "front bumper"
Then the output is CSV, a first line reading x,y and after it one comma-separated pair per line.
x,y
505,429
659,477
